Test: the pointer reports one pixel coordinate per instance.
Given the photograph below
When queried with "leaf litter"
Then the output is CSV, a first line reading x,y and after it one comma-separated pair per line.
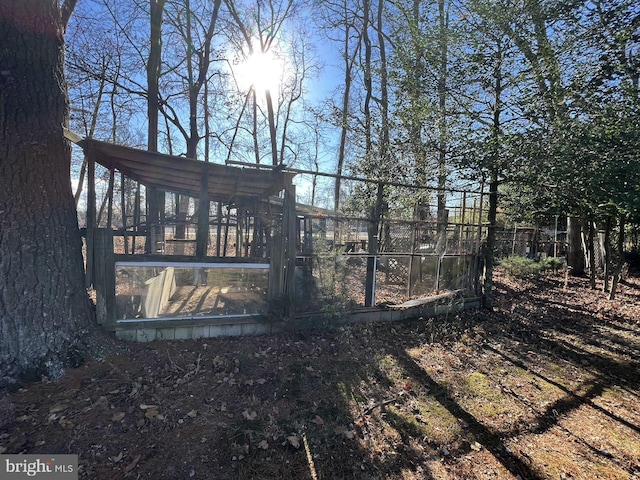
x,y
546,386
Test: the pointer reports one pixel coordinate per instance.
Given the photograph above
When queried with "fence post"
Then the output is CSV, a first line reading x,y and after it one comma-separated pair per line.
x,y
370,283
104,276
90,216
291,245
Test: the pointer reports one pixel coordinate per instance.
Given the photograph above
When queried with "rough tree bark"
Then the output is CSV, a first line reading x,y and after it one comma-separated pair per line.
x,y
575,257
44,307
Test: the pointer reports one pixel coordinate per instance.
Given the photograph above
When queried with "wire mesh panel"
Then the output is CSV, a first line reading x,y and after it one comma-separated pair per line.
x,y
331,279
523,242
414,257
392,279
396,236
342,278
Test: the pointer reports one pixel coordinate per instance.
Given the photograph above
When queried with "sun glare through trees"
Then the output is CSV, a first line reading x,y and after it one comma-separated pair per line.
x,y
263,71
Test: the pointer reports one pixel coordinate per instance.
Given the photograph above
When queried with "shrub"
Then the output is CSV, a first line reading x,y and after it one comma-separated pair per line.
x,y
633,259
520,267
551,263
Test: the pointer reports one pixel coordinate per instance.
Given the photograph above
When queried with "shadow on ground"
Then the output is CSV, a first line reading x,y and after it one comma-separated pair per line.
x,y
544,387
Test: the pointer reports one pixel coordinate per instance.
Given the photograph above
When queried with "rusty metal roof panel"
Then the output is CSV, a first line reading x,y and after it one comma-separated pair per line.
x,y
182,175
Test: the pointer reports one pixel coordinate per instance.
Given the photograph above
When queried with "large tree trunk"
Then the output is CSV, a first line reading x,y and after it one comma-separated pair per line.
x,y
44,307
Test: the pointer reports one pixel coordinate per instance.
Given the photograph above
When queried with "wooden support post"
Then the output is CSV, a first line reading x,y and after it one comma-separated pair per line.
x,y
291,245
257,237
246,240
307,236
136,218
479,240
123,203
415,233
104,277
218,228
370,282
226,231
463,247
276,273
275,267
202,232
91,215
239,221
155,205
283,254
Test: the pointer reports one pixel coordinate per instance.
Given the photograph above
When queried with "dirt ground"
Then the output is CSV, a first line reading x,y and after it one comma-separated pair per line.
x,y
545,387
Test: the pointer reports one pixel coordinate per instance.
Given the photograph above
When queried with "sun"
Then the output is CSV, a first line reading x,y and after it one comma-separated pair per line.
x,y
264,71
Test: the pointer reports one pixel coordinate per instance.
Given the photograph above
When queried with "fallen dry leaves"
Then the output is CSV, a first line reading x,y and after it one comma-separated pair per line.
x,y
547,386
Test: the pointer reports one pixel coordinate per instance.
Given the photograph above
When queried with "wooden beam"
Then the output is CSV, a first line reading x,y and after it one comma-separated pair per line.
x,y
291,247
91,216
105,280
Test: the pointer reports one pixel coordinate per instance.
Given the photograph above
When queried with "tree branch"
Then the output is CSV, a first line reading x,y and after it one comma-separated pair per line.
x,y
67,9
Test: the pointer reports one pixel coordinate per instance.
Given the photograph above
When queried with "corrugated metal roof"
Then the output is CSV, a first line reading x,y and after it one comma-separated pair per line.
x,y
182,175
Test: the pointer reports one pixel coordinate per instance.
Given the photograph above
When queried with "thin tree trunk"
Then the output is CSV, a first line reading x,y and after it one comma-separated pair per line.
x,y
92,127
155,198
272,128
575,258
344,116
592,255
620,247
494,183
368,86
384,88
202,235
254,131
607,254
442,127
195,79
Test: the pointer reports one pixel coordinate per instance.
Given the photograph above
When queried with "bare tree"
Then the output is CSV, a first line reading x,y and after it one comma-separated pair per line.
x,y
340,21
260,28
197,61
155,199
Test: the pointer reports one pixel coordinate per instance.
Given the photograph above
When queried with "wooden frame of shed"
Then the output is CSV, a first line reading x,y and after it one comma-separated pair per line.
x,y
243,188
282,251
